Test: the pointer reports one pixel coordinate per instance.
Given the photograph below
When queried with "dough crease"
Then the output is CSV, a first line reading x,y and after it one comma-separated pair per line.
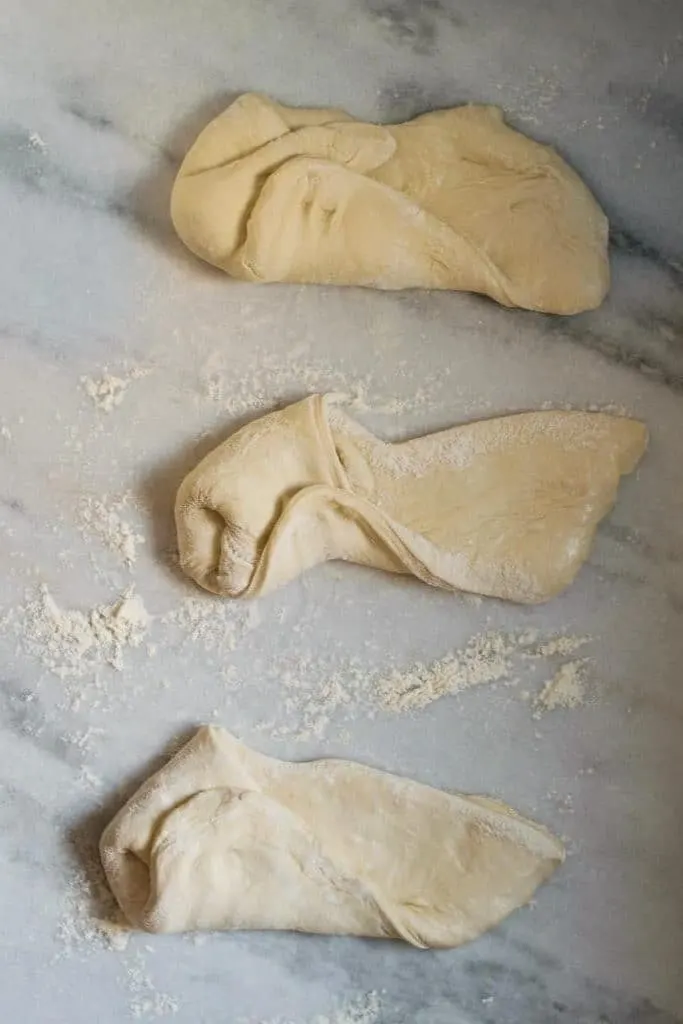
x,y
454,199
505,507
226,838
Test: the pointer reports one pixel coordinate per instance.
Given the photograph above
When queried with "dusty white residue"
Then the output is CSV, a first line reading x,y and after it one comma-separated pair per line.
x,y
566,688
108,390
36,141
273,378
530,101
102,517
215,624
84,740
91,922
486,658
146,1001
72,643
90,918
308,705
316,696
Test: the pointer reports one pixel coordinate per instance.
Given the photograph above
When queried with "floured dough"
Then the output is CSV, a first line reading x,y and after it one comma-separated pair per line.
x,y
453,199
225,838
505,507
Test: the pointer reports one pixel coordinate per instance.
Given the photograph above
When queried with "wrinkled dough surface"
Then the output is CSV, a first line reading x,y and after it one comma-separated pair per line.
x,y
453,199
226,838
504,507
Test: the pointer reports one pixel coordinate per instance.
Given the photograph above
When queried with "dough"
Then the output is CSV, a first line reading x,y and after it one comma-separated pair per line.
x,y
504,507
453,199
225,838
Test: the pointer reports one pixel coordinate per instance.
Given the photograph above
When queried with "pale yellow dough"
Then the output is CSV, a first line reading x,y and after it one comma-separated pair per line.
x,y
453,199
504,507
225,838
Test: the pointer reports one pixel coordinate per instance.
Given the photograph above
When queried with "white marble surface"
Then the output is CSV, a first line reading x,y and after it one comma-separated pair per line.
x,y
98,102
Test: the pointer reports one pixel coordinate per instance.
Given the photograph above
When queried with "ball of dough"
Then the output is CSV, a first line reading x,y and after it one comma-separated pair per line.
x,y
454,199
505,507
223,837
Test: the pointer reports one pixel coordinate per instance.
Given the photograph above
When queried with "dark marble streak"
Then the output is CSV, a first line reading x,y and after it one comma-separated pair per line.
x,y
626,242
497,980
22,336
97,121
403,99
414,24
660,554
100,122
669,593
613,349
32,170
13,505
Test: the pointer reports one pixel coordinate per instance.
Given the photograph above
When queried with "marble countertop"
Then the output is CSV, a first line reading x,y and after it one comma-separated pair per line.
x,y
123,358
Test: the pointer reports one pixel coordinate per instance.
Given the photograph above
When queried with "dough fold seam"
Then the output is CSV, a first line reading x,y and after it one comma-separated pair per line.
x,y
505,507
454,199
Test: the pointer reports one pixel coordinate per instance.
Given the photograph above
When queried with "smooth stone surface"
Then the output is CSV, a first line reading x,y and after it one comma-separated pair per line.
x,y
100,101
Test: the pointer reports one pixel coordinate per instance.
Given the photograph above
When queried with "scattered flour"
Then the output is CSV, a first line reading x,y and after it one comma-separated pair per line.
x,y
146,1001
313,694
316,694
36,141
79,932
272,379
5,432
531,101
562,645
108,391
91,922
566,689
102,518
487,658
216,624
72,643
91,919
83,739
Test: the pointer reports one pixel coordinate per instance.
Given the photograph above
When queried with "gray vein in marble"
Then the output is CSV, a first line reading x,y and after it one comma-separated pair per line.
x,y
413,23
402,99
625,242
98,122
34,171
500,979
633,353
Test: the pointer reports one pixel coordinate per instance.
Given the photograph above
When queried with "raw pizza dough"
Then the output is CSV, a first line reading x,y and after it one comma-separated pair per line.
x,y
453,199
225,838
505,507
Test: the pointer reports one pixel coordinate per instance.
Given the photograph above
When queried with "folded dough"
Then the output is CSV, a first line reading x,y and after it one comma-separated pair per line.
x,y
505,507
225,838
453,199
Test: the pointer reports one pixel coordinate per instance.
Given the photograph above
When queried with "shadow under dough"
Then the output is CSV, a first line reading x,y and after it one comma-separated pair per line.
x,y
81,840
